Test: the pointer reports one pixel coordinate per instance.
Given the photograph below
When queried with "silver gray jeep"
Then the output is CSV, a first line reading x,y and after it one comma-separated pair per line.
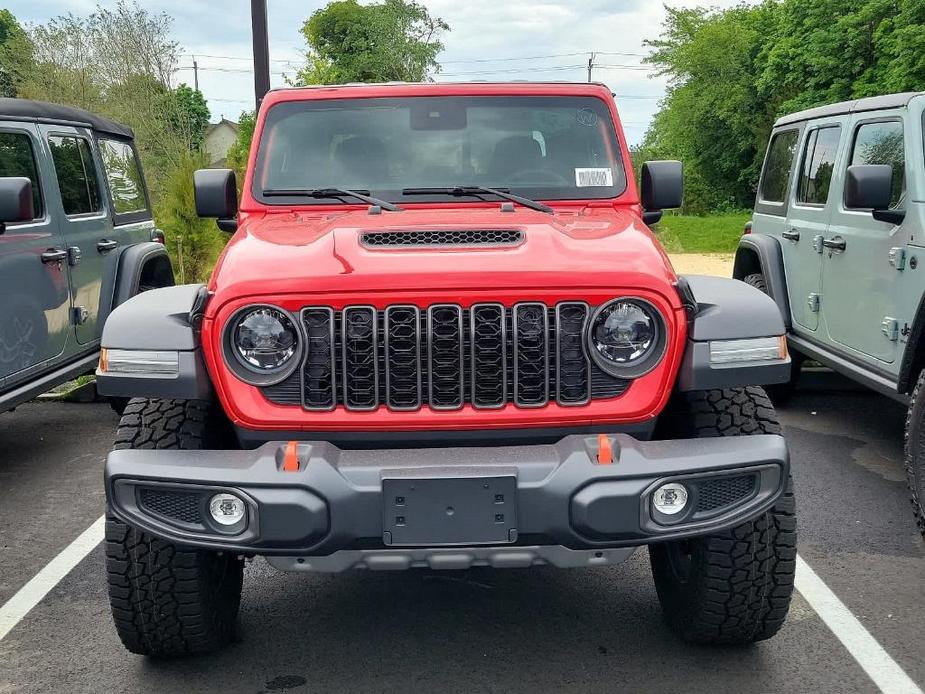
x,y
838,240
76,240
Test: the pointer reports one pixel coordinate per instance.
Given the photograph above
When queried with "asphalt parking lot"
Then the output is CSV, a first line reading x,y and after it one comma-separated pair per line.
x,y
478,631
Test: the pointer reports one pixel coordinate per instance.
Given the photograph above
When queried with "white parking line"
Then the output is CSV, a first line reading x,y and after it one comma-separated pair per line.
x,y
876,662
870,655
32,593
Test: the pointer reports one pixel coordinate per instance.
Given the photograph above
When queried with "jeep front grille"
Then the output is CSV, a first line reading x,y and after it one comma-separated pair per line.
x,y
445,356
418,238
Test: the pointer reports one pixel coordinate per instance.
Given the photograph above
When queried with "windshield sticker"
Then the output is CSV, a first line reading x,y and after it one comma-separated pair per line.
x,y
594,178
586,116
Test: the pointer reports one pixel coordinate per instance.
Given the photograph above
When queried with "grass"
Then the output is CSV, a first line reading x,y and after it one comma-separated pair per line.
x,y
718,233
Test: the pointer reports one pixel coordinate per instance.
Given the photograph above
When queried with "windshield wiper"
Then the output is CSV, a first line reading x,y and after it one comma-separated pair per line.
x,y
475,191
333,193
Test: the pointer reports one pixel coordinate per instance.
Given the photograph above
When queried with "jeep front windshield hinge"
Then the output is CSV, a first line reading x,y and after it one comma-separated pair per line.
x,y
898,258
890,329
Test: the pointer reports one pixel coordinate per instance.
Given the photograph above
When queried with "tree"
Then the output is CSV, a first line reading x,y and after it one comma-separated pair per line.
x,y
712,117
119,62
395,40
733,72
239,151
14,52
194,243
188,114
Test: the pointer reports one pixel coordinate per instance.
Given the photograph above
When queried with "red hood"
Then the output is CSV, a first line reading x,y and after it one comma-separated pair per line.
x,y
305,252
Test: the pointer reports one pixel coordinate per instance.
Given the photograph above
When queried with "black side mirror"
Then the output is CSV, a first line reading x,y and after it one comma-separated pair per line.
x,y
15,201
870,187
216,193
662,188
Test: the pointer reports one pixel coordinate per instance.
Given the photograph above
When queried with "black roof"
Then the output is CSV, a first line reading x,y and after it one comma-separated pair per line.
x,y
43,112
872,103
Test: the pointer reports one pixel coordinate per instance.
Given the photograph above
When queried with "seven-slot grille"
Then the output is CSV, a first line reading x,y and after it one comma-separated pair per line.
x,y
444,357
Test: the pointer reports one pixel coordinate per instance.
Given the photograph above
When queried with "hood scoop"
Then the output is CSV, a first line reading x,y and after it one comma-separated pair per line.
x,y
448,238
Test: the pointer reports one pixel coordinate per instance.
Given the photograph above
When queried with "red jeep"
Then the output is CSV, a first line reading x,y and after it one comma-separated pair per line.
x,y
443,336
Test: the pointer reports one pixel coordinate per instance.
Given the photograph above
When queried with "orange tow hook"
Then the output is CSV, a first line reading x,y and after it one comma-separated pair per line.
x,y
291,457
604,450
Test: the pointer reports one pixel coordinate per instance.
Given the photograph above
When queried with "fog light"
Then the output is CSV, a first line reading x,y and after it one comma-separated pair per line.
x,y
227,509
670,498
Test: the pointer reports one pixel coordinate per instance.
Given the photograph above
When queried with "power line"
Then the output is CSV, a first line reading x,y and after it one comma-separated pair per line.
x,y
444,62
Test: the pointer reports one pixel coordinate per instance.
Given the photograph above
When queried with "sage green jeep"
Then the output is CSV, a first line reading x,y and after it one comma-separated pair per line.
x,y
838,240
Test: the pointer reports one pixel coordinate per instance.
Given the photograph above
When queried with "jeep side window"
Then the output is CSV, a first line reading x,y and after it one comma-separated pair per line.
x,y
124,175
80,191
775,181
882,143
18,159
818,165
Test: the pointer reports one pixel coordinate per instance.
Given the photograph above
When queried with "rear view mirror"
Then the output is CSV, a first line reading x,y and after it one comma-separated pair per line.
x,y
216,193
15,201
870,187
662,188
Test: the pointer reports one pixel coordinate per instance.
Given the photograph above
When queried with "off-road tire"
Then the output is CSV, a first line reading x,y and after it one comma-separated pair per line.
x,y
779,393
169,600
915,451
732,587
118,404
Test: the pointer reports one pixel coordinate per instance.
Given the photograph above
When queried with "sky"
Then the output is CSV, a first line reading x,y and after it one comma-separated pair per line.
x,y
488,40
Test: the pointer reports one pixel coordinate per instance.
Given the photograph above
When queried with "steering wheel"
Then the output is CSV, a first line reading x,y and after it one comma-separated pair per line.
x,y
538,176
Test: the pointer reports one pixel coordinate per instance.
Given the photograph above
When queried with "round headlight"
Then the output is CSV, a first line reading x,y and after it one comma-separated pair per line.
x,y
262,345
265,339
626,337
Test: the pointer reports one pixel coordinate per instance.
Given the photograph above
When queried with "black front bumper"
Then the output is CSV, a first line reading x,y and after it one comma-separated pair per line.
x,y
546,494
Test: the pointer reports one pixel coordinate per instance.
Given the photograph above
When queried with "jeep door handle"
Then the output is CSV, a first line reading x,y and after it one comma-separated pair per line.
x,y
54,255
106,245
836,244
791,235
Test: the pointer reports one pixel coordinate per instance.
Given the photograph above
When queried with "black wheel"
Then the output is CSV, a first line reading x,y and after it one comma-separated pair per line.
x,y
168,600
915,451
732,587
779,393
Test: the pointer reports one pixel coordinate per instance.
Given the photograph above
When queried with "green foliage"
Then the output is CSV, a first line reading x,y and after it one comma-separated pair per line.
x,y
14,51
395,40
119,61
240,149
718,233
194,243
733,72
187,114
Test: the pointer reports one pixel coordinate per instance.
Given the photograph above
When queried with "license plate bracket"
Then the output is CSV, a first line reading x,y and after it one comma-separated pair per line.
x,y
437,511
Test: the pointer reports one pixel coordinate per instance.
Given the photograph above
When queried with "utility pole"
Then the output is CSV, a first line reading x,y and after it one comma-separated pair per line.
x,y
261,49
590,65
195,74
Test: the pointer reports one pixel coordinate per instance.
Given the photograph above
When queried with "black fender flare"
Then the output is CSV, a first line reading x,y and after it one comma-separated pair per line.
x,y
761,253
160,320
728,309
914,354
132,264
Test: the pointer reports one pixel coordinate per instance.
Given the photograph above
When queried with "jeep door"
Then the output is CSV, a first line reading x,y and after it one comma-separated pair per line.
x,y
34,291
85,224
808,220
861,272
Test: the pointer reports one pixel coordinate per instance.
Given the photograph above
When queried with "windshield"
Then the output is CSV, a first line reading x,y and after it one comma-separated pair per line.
x,y
546,147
